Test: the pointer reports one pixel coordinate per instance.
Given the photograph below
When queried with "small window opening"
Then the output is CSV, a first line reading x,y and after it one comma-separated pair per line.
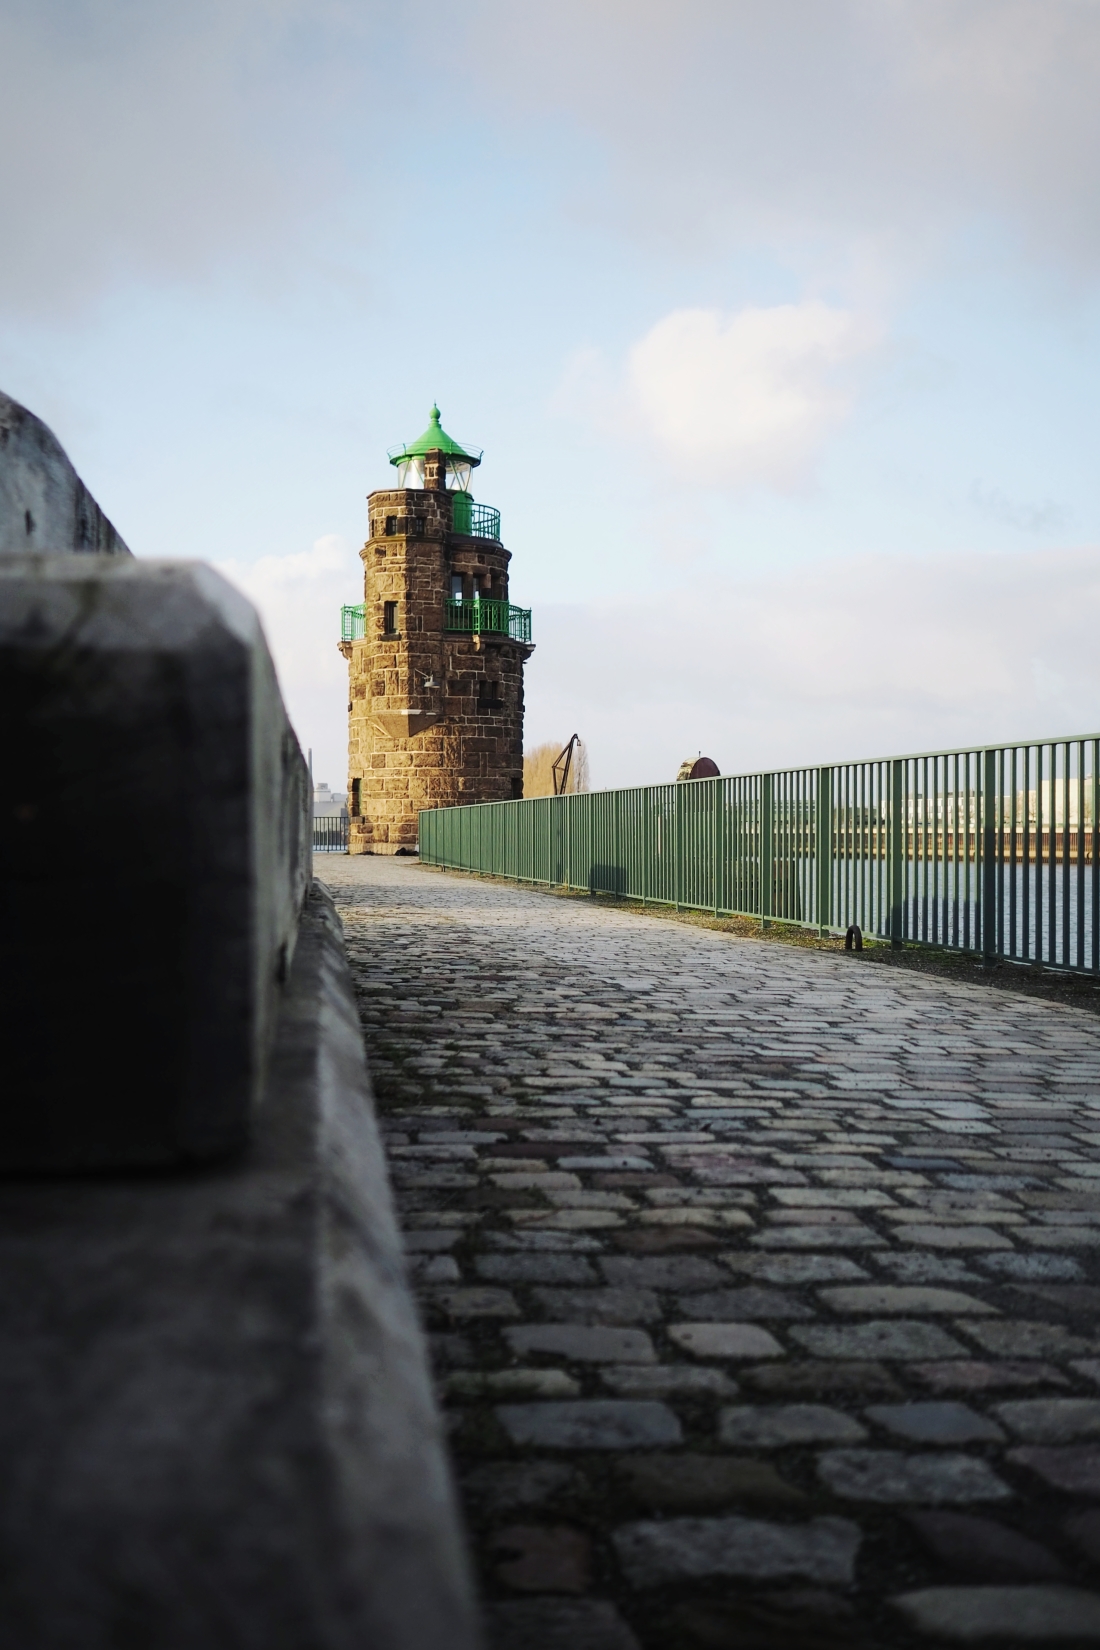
x,y
517,787
356,790
456,587
391,526
416,527
389,618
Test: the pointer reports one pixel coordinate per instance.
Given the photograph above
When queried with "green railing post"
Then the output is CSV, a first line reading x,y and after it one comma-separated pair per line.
x,y
718,855
988,870
895,865
824,848
767,848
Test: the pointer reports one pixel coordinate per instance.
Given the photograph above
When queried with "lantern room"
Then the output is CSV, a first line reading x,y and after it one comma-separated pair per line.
x,y
435,460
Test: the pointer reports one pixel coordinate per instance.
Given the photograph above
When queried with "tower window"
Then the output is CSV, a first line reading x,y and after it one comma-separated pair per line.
x,y
389,618
356,797
456,587
391,526
416,527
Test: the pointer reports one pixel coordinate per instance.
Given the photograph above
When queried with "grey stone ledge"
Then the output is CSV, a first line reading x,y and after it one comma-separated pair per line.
x,y
216,1412
44,505
1029,1615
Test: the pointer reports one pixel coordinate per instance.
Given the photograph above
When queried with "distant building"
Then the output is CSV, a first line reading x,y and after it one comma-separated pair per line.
x,y
327,802
435,652
698,767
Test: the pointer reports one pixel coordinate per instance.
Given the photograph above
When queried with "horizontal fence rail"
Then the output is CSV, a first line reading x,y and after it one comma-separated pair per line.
x,y
993,851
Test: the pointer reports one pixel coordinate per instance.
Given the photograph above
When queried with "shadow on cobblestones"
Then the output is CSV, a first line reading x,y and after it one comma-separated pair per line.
x,y
760,1281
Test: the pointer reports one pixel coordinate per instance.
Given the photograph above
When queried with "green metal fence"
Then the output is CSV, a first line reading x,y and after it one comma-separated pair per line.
x,y
989,850
477,617
486,617
480,521
353,623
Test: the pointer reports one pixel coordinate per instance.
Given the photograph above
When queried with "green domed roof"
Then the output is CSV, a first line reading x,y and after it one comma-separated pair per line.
x,y
434,440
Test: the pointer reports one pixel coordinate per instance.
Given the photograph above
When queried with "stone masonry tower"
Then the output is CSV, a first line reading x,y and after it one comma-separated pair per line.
x,y
435,653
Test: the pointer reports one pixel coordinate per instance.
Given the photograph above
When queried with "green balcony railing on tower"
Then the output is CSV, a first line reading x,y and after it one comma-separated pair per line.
x,y
480,521
492,618
353,623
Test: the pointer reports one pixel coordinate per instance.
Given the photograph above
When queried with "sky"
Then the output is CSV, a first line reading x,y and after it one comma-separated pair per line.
x,y
778,322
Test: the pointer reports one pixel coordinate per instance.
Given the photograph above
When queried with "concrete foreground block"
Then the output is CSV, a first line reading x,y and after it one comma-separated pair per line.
x,y
45,508
215,1410
154,854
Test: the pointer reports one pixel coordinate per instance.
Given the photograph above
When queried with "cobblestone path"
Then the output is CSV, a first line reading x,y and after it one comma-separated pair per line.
x,y
758,1279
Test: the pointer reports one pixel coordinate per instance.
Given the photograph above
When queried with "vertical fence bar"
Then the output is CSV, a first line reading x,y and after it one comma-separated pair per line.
x,y
1067,857
1080,880
717,843
894,867
986,940
1013,872
1052,856
767,848
999,840
1094,855
823,849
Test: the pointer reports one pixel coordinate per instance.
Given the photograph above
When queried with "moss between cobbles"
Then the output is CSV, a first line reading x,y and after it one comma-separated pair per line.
x,y
1030,980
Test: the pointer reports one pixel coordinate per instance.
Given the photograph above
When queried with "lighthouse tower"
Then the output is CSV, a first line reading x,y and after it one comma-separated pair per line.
x,y
435,652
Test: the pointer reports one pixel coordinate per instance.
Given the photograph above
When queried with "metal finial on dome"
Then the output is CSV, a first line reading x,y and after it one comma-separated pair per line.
x,y
434,440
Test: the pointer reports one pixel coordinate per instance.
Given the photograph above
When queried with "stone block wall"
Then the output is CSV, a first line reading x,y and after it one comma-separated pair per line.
x,y
217,1417
45,508
435,716
154,855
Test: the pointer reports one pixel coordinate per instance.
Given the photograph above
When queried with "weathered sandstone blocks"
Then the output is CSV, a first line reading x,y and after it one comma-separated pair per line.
x,y
435,715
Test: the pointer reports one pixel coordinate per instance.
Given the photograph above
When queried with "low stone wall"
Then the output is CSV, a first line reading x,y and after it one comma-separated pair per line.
x,y
147,750
215,1410
216,1417
44,505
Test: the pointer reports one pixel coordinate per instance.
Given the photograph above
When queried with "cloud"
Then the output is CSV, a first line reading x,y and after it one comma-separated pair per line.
x,y
747,398
879,125
853,658
1040,516
299,599
159,142
155,142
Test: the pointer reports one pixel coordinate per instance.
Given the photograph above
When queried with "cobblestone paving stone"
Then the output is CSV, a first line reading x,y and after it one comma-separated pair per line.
x,y
763,1285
